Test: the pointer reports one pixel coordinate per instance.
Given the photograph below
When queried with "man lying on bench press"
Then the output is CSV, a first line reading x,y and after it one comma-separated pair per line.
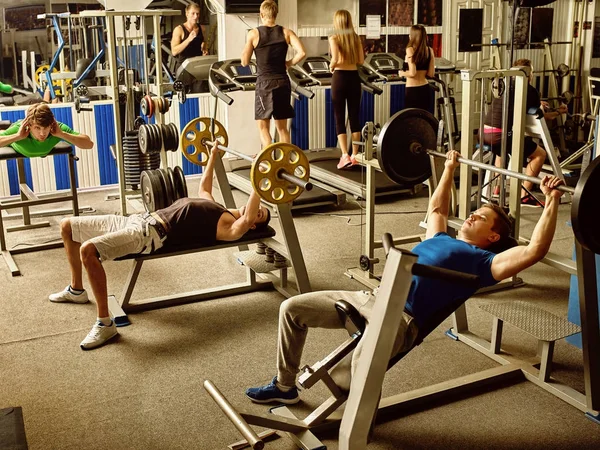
x,y
39,132
93,239
476,251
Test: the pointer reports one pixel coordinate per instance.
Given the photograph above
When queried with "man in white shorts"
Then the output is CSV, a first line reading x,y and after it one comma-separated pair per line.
x,y
189,221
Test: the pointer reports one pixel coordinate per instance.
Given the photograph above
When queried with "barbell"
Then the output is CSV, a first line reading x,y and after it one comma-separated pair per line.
x,y
407,140
279,173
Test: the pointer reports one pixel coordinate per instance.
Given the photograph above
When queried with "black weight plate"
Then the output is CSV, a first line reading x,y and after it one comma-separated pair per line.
x,y
152,139
166,137
143,138
402,145
157,138
180,182
175,134
163,135
169,194
583,212
172,137
151,190
162,201
152,134
172,181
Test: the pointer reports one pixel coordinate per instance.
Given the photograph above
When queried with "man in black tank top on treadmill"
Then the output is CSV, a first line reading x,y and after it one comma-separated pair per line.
x,y
188,40
91,240
273,90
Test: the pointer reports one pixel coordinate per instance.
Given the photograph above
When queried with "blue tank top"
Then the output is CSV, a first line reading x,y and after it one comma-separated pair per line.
x,y
428,296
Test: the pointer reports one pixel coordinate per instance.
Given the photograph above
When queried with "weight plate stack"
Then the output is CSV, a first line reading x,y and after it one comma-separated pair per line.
x,y
150,139
134,162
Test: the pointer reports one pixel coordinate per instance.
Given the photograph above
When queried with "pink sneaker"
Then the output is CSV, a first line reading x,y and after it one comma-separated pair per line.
x,y
353,161
344,162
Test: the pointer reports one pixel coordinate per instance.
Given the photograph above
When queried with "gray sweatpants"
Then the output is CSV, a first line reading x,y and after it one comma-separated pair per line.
x,y
317,310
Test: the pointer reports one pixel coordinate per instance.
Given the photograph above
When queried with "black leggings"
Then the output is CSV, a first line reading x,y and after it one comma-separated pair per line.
x,y
345,88
418,97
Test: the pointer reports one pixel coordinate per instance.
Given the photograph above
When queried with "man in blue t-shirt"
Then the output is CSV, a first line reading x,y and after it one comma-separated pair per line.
x,y
475,251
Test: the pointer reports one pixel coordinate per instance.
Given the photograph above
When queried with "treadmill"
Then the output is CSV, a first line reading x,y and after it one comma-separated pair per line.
x,y
323,161
386,65
228,76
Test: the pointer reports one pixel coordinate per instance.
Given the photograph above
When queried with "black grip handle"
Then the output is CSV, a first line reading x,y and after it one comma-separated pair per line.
x,y
440,273
226,98
304,92
388,242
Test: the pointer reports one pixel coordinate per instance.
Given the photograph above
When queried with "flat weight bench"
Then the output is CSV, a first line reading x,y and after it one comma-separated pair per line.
x,y
546,327
29,198
118,311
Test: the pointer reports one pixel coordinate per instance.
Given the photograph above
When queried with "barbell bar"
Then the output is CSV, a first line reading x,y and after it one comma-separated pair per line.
x,y
508,173
406,141
278,174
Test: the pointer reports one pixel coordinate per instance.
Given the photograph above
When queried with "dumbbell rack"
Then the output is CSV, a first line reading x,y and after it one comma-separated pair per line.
x,y
113,90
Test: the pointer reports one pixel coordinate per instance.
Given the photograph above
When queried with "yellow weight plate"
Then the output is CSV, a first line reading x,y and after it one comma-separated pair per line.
x,y
195,135
270,163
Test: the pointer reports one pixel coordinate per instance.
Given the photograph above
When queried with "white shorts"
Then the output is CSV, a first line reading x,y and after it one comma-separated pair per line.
x,y
115,236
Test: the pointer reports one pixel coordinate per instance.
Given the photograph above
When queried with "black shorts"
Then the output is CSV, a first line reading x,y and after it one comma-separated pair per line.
x,y
494,140
273,99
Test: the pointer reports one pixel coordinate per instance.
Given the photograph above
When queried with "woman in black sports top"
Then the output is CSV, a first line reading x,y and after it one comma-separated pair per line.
x,y
419,64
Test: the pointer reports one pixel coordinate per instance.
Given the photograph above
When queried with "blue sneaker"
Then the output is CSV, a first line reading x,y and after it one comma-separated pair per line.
x,y
271,393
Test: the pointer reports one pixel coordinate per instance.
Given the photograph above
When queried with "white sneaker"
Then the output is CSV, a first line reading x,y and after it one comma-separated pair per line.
x,y
66,296
99,334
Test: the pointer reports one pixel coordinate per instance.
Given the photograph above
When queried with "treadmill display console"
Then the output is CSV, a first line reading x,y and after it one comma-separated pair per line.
x,y
318,67
244,75
386,65
383,64
243,71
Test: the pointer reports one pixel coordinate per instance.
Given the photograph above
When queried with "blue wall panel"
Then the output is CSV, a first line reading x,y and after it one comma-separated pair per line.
x,y
367,108
396,98
188,111
13,175
61,162
300,123
330,132
105,136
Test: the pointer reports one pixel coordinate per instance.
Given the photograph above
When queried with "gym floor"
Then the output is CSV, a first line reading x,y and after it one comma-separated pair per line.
x,y
144,390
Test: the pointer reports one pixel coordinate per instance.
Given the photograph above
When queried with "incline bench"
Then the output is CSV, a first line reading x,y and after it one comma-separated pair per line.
x,y
118,311
29,198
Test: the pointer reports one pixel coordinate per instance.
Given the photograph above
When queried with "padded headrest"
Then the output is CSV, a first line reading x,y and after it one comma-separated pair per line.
x,y
503,245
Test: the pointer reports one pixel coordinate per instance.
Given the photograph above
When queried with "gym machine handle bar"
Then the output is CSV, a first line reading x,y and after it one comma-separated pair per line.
x,y
306,185
238,421
304,92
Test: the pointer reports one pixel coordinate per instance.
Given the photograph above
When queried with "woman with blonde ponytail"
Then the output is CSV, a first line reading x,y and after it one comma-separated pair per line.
x,y
346,54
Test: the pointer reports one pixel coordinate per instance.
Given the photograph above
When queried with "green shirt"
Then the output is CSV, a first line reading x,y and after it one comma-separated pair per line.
x,y
31,147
